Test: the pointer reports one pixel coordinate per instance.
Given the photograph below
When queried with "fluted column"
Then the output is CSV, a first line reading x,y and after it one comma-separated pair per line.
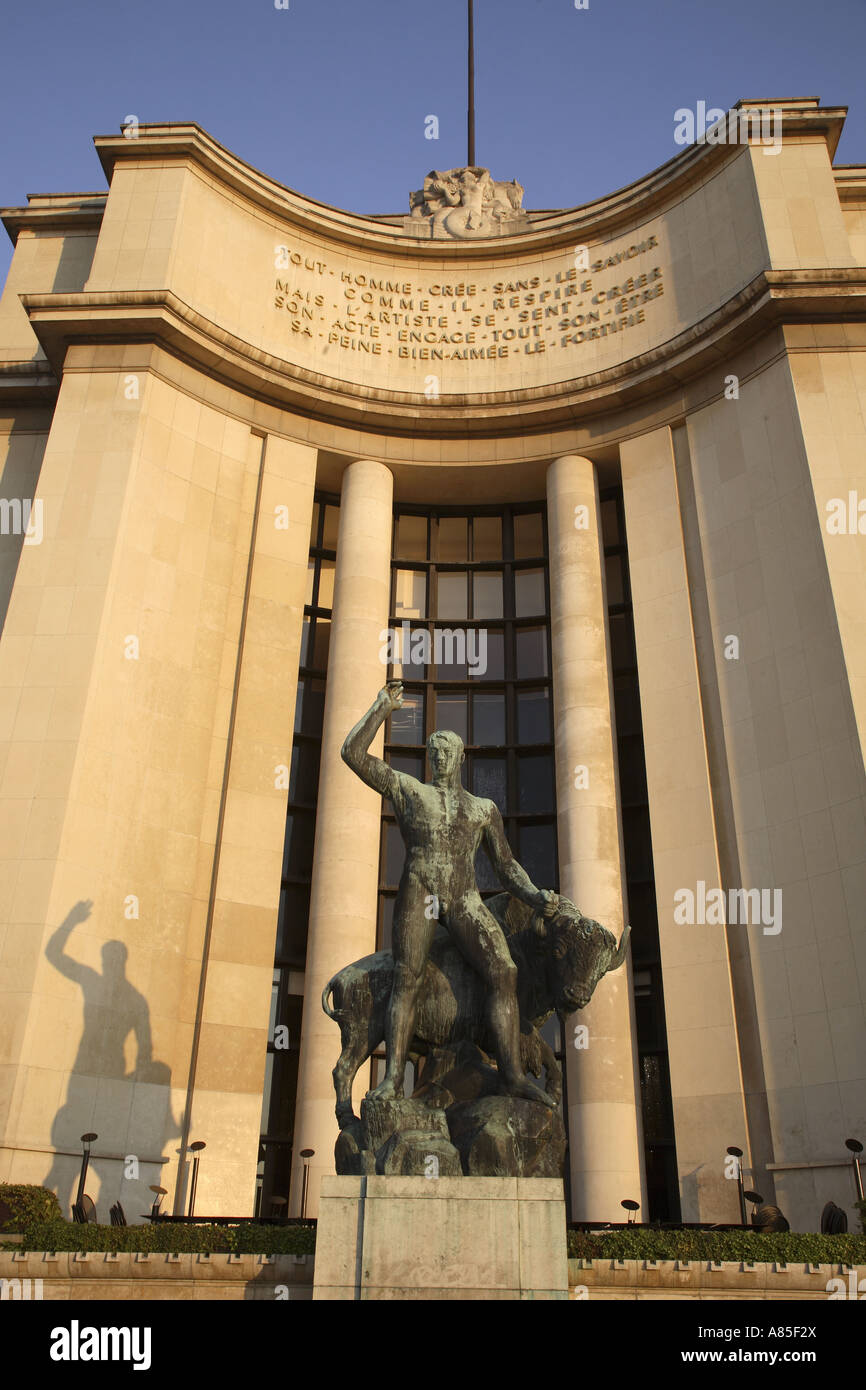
x,y
601,1078
345,863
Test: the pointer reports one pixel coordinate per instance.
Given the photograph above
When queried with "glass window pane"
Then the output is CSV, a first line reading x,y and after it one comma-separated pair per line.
x,y
386,918
298,854
495,657
332,526
528,536
412,647
452,712
621,641
407,723
531,652
537,855
610,523
412,763
321,644
453,539
410,594
452,599
311,579
613,576
533,716
451,648
304,774
325,597
487,538
394,854
487,595
529,593
294,915
535,783
314,527
305,642
412,538
310,706
489,780
488,719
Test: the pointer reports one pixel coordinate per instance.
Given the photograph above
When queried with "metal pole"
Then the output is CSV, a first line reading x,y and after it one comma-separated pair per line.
x,y
193,1186
471,107
304,1190
82,1179
855,1164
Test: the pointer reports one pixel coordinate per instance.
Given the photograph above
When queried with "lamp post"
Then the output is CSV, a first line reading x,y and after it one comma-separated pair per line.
x,y
87,1140
159,1194
738,1154
856,1148
756,1199
195,1149
306,1155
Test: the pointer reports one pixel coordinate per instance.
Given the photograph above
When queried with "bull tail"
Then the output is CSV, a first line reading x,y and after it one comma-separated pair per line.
x,y
335,1014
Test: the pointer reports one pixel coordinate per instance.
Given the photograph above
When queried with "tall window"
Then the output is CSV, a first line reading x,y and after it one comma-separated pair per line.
x,y
656,1105
470,604
284,1033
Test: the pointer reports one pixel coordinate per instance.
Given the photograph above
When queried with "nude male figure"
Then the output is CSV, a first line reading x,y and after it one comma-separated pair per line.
x,y
442,827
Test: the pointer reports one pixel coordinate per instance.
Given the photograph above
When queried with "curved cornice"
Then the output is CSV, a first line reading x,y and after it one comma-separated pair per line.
x,y
592,221
773,297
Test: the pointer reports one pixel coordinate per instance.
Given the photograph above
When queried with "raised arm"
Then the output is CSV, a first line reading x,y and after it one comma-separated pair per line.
x,y
55,950
376,773
509,872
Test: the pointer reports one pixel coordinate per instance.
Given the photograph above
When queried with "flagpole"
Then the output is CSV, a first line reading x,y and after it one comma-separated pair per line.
x,y
471,103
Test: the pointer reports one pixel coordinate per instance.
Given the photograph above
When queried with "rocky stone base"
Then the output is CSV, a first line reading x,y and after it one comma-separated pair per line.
x,y
457,1122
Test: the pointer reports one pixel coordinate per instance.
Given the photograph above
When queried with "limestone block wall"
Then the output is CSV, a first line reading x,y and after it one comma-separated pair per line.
x,y
98,1277
794,760
123,646
724,1280
706,1079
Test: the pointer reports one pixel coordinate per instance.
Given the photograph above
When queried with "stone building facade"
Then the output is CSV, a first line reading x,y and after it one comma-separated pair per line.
x,y
619,450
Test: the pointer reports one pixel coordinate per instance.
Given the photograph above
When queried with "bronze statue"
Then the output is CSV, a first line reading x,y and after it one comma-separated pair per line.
x,y
443,827
559,963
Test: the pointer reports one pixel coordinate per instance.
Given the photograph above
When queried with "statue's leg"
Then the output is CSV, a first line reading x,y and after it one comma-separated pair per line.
x,y
411,935
482,941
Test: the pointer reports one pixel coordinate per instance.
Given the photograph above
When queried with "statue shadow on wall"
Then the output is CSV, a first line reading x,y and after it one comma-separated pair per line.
x,y
113,1009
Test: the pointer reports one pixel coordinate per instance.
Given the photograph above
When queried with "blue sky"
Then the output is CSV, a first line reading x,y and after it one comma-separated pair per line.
x,y
330,96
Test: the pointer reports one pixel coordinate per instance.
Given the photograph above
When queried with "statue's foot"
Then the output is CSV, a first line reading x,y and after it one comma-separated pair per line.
x,y
386,1090
527,1090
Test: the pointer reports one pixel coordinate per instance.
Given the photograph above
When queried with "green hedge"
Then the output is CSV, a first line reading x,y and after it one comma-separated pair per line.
x,y
22,1204
170,1239
793,1247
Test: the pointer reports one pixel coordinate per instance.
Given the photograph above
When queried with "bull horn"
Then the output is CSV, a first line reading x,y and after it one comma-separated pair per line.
x,y
618,956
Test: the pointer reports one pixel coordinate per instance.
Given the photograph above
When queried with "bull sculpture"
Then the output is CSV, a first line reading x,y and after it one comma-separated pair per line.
x,y
559,963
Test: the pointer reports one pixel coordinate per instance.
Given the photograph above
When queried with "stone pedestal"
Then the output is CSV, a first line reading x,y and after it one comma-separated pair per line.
x,y
446,1238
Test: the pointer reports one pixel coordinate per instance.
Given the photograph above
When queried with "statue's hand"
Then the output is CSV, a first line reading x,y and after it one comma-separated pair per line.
x,y
549,905
391,696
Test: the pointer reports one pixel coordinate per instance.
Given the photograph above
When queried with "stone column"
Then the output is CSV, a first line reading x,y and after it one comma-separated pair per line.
x,y
601,1078
346,858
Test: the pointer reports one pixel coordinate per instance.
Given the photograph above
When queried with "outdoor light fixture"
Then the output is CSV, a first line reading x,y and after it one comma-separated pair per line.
x,y
160,1193
86,1140
738,1154
195,1149
306,1155
856,1149
631,1207
756,1199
